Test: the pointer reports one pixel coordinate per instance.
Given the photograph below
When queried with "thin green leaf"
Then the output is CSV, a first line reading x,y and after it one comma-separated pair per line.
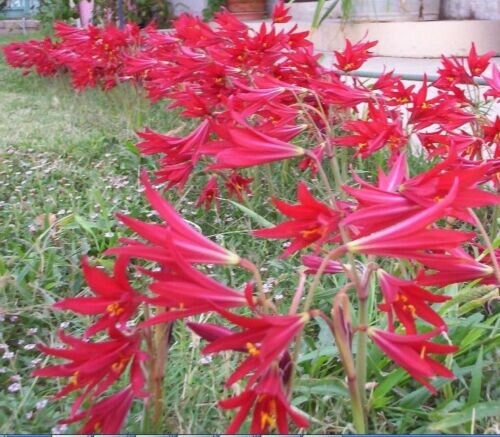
x,y
252,214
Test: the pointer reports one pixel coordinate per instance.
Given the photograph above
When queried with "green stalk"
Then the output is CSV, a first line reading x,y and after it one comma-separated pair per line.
x,y
317,14
361,353
342,331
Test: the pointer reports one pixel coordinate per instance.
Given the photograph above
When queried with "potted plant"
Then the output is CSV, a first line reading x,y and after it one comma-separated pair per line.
x,y
247,9
366,10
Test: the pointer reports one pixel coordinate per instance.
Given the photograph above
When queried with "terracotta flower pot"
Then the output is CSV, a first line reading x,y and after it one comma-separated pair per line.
x,y
247,9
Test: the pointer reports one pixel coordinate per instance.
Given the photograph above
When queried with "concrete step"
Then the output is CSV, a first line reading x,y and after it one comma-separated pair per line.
x,y
21,25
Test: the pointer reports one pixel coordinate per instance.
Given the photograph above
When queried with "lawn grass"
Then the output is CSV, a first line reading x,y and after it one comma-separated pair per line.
x,y
67,165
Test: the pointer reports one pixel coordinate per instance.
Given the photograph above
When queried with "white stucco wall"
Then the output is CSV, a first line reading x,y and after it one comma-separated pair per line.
x,y
193,6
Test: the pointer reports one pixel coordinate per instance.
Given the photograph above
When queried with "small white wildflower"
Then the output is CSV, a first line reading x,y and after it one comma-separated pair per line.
x,y
8,355
63,325
32,331
20,342
13,318
15,378
206,359
59,429
41,404
109,234
15,387
29,415
4,346
278,296
36,361
29,346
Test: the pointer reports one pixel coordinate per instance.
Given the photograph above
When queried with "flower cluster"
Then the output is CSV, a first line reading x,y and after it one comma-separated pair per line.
x,y
260,97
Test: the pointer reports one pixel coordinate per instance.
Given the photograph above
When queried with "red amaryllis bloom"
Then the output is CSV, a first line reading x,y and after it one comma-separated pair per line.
x,y
265,338
211,332
354,56
412,236
280,13
185,291
29,54
237,185
451,74
106,416
379,130
311,222
192,245
115,300
247,147
407,301
95,366
457,266
411,352
157,143
209,194
493,82
478,63
271,408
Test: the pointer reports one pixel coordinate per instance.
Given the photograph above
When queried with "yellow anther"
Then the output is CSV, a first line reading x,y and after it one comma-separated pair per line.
x,y
114,309
252,349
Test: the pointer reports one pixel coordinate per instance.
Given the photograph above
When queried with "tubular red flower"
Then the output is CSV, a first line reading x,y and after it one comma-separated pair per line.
x,y
411,353
265,338
105,416
411,235
354,56
311,222
95,366
280,13
192,245
115,302
270,407
407,301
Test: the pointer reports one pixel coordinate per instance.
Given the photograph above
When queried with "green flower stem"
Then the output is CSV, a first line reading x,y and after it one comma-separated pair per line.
x,y
487,243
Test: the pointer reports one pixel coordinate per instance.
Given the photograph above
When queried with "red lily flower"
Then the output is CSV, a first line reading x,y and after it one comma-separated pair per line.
x,y
237,185
265,338
370,135
116,301
33,53
457,266
248,147
270,407
411,353
280,13
407,301
411,236
192,245
451,74
493,82
106,416
311,222
211,332
209,194
185,291
94,367
157,143
354,56
478,63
